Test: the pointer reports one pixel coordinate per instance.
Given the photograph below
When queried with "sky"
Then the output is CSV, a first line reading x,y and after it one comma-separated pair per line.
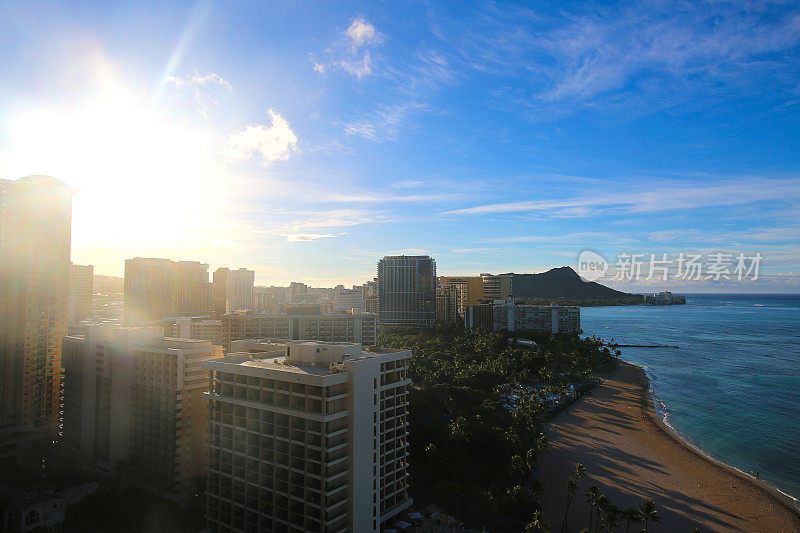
x,y
308,140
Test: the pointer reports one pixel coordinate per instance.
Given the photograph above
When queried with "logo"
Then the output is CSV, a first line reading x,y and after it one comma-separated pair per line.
x,y
591,265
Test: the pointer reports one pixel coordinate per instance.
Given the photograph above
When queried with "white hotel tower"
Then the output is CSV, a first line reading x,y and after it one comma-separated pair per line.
x,y
307,436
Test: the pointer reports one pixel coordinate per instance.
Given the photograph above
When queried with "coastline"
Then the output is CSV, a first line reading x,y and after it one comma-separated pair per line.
x,y
657,418
630,454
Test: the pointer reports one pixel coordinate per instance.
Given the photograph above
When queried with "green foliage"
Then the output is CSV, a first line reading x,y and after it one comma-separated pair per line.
x,y
469,451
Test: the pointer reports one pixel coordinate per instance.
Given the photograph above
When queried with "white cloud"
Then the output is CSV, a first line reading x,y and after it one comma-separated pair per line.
x,y
309,237
385,123
361,33
680,196
272,143
205,89
350,51
357,67
195,79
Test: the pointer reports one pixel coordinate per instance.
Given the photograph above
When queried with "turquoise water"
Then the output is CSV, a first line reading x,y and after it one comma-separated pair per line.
x,y
732,388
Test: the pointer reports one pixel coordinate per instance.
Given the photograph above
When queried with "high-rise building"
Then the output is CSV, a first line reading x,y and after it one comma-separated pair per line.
x,y
496,287
307,436
81,290
195,292
151,289
473,287
132,395
159,288
233,290
35,230
269,299
443,306
407,290
360,328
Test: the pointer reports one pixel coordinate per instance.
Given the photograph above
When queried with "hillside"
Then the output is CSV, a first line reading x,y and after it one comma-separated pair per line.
x,y
561,282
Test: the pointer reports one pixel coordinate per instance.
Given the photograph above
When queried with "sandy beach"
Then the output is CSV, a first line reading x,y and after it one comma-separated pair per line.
x,y
630,454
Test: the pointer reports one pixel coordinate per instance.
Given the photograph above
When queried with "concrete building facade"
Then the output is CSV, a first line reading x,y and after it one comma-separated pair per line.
x,y
361,328
132,395
496,287
510,316
308,436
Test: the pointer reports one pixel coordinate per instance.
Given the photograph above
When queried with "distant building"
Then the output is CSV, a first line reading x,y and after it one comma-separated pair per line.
x,y
269,299
132,395
443,315
473,288
308,436
664,298
480,317
347,299
199,328
359,328
151,289
195,292
233,290
496,287
510,316
81,290
35,230
407,290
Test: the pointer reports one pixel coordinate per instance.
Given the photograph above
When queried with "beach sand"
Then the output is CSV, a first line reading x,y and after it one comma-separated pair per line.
x,y
630,454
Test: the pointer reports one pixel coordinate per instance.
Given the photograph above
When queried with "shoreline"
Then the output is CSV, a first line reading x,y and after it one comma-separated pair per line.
x,y
630,453
657,417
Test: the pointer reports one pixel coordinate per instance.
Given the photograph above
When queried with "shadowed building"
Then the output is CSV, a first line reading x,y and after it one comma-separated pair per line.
x,y
132,395
81,290
307,436
407,290
35,230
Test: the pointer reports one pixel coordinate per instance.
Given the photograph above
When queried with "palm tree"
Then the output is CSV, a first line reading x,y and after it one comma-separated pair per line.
x,y
631,516
539,523
578,475
648,511
602,504
571,486
609,519
592,494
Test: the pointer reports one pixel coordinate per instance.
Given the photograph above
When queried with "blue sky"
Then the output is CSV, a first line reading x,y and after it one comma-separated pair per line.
x,y
307,140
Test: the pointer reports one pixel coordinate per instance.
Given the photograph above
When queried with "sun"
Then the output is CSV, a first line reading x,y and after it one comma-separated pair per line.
x,y
145,176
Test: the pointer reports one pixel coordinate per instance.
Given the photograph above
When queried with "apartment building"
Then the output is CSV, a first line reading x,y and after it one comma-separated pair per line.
x,y
200,328
195,292
348,299
307,436
496,287
35,230
81,290
233,290
407,291
132,395
473,287
158,288
361,328
510,316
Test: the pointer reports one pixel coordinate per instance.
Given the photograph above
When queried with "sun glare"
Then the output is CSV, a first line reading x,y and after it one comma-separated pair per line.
x,y
141,172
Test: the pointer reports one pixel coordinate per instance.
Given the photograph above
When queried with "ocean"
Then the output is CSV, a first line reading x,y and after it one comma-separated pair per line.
x,y
732,387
